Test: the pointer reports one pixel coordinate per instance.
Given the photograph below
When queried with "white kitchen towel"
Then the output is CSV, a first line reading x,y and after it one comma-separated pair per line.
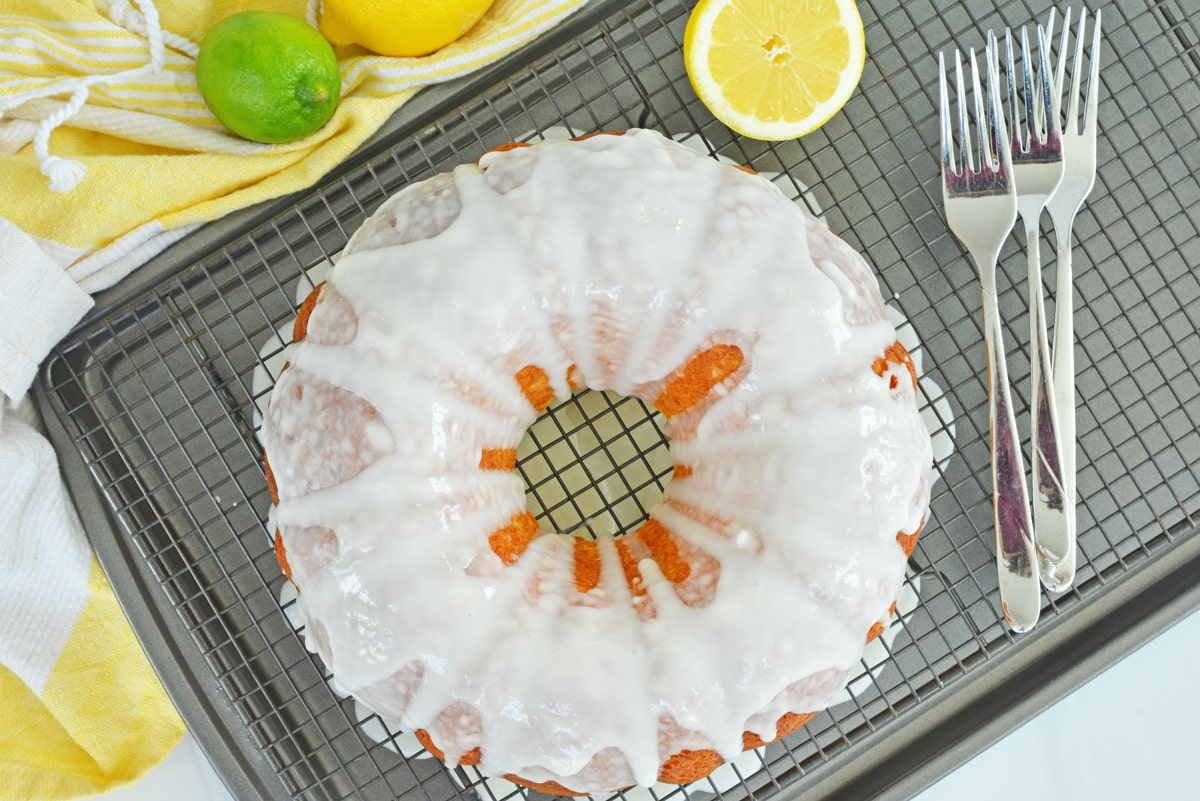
x,y
81,711
40,598
38,305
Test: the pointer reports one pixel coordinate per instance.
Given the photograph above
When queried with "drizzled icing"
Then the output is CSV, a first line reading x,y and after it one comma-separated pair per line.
x,y
623,257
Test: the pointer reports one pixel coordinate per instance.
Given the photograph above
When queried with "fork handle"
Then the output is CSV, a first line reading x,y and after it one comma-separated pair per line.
x,y
1051,524
1020,593
1063,574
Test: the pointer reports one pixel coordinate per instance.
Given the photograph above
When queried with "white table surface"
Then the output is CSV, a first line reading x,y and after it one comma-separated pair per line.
x,y
1127,734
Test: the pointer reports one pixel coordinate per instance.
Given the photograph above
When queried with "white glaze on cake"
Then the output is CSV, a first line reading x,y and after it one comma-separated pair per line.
x,y
813,456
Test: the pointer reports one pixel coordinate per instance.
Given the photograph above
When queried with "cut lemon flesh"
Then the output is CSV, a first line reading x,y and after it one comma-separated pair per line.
x,y
774,69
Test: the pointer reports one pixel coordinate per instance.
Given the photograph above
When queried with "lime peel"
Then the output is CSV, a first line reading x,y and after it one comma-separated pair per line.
x,y
268,76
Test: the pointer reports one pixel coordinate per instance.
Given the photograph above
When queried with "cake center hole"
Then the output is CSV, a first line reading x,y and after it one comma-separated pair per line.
x,y
594,464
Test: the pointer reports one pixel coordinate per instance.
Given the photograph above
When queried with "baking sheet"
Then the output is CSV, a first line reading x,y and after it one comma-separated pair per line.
x,y
151,401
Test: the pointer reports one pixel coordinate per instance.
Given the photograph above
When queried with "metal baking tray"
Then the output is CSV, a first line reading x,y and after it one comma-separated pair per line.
x,y
151,403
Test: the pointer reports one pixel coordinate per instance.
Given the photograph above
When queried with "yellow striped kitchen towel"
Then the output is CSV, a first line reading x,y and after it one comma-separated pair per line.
x,y
108,153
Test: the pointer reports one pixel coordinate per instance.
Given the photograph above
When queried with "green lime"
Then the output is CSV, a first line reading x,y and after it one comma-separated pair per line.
x,y
268,76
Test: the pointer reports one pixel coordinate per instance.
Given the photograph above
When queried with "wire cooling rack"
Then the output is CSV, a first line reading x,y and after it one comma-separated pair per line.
x,y
152,404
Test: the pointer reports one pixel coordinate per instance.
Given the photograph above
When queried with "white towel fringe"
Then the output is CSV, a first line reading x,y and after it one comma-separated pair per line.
x,y
313,14
64,174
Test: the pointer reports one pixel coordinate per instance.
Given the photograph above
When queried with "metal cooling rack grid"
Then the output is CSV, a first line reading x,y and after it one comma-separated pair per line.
x,y
157,394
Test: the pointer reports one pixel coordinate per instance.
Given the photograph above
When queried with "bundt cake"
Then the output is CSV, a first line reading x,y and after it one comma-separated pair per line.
x,y
458,312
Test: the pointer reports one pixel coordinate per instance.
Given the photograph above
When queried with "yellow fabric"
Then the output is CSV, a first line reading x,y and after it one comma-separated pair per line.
x,y
155,158
102,720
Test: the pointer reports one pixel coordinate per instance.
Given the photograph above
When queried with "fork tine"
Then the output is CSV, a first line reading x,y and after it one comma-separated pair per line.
x,y
948,166
1031,118
998,129
966,151
1052,126
1011,74
1060,68
982,122
1076,73
1093,87
1049,28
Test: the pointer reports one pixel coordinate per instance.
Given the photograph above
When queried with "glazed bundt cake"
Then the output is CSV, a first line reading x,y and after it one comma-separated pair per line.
x,y
456,315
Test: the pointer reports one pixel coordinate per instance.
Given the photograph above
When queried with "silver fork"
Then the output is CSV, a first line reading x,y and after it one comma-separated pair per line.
x,y
1079,156
981,208
1037,156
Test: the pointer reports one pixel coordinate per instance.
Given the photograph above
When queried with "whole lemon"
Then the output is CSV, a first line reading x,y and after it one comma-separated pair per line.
x,y
268,76
400,27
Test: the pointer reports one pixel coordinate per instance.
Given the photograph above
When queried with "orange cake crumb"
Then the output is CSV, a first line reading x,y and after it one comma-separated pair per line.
x,y
909,541
896,354
504,148
581,137
470,758
300,327
665,551
549,788
498,459
587,565
689,766
692,382
788,723
281,555
272,487
535,385
509,542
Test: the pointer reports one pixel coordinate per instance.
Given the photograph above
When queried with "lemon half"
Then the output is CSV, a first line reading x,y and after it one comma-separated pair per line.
x,y
774,69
